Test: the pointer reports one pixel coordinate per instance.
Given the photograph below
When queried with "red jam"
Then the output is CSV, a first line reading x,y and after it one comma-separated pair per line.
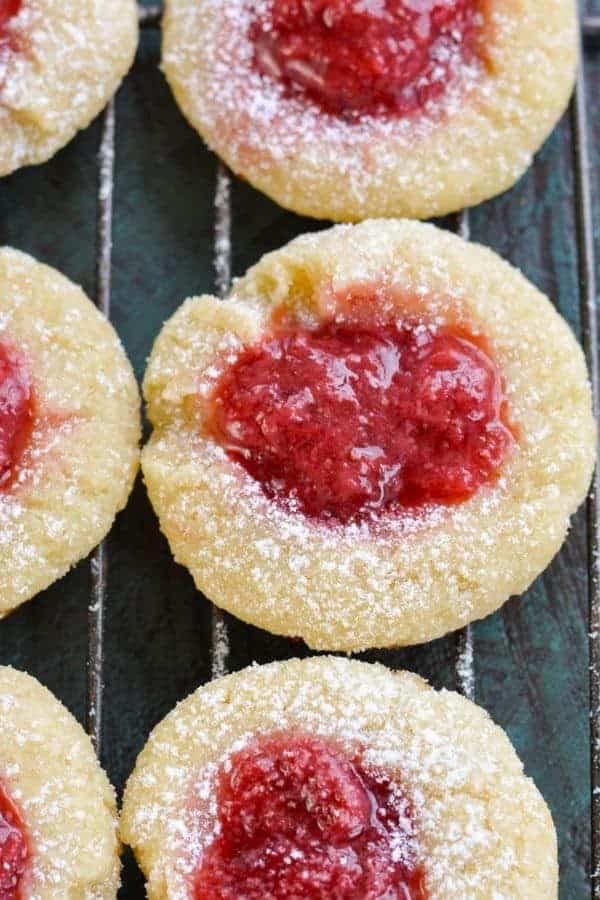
x,y
16,412
377,57
302,819
350,421
8,9
14,849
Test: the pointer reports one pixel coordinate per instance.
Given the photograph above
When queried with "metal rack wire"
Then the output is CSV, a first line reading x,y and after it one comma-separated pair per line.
x,y
149,16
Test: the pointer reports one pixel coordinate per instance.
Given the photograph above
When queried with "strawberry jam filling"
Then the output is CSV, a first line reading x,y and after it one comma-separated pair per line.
x,y
347,422
8,9
16,412
300,818
14,849
376,57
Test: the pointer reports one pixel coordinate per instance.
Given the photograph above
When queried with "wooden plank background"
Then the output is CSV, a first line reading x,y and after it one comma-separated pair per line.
x,y
531,658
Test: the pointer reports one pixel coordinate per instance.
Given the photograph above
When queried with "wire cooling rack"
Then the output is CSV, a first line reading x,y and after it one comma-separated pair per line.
x,y
149,17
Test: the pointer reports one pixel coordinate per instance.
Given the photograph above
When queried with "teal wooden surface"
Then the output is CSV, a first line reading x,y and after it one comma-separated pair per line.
x,y
531,658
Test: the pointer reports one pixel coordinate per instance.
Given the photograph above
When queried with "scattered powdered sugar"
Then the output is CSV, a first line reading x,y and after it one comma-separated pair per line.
x,y
325,165
44,442
202,821
77,468
290,522
275,122
405,579
48,768
57,72
462,779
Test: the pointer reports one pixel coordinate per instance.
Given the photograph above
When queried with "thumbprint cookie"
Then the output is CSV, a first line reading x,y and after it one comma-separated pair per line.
x,y
378,437
60,63
325,778
58,817
351,109
69,427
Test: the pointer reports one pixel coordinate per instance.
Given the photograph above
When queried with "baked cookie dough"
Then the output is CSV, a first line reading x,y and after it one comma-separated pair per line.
x,y
58,816
293,751
474,448
69,427
60,63
345,111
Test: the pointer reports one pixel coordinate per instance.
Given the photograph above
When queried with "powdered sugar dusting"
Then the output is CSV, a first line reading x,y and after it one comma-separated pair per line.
x,y
382,59
262,123
86,413
420,576
59,69
48,767
327,812
463,780
471,142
